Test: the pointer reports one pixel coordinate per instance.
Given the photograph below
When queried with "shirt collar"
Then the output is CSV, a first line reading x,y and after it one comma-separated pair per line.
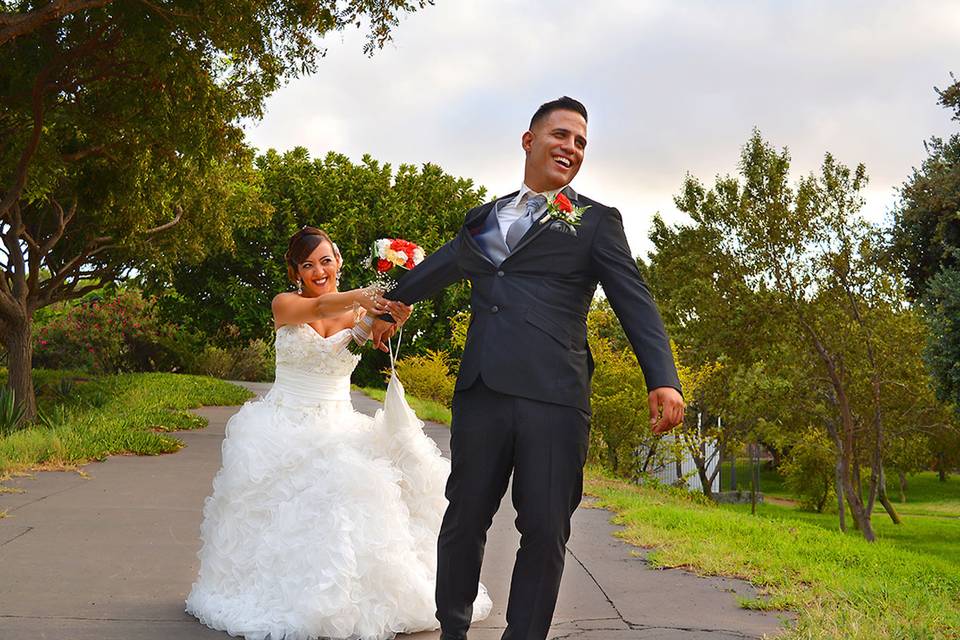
x,y
550,195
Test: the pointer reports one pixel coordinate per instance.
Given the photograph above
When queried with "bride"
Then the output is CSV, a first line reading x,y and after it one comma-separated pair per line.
x,y
323,522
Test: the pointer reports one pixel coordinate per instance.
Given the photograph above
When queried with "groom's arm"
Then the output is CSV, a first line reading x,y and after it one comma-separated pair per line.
x,y
632,302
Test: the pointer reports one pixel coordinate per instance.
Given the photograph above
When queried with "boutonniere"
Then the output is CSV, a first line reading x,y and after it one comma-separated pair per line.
x,y
562,209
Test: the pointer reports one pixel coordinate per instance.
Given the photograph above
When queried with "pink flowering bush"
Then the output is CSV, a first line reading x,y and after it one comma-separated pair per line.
x,y
111,335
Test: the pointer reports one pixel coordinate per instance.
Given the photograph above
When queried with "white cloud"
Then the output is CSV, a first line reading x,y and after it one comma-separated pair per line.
x,y
672,87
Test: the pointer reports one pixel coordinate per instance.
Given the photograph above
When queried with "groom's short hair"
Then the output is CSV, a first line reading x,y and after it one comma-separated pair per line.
x,y
566,103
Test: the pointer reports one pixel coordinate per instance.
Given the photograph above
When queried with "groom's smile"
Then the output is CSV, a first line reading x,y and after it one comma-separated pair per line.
x,y
554,146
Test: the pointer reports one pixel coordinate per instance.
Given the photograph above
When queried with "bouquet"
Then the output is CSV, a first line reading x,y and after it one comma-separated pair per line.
x,y
390,258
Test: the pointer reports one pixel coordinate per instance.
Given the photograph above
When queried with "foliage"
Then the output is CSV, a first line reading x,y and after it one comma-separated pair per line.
x,y
112,332
356,203
925,233
809,470
254,361
121,145
620,425
109,415
790,290
840,587
11,412
428,376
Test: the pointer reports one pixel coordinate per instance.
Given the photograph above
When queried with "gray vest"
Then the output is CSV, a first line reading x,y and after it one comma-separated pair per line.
x,y
490,237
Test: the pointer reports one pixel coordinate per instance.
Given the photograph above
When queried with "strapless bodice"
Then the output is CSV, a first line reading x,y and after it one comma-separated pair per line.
x,y
312,368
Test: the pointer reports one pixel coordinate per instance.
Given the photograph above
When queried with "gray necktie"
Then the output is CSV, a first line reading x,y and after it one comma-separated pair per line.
x,y
521,224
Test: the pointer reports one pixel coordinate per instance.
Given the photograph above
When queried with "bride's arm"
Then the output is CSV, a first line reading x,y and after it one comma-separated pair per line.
x,y
290,308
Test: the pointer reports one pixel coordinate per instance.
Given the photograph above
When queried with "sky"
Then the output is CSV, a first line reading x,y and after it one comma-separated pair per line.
x,y
672,87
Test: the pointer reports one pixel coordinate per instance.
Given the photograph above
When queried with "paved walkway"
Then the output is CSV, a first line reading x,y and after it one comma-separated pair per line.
x,y
111,556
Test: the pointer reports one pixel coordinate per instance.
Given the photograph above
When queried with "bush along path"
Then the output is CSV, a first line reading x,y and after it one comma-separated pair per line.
x,y
113,556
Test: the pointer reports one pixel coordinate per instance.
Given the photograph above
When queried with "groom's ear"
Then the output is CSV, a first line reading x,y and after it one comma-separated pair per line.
x,y
526,141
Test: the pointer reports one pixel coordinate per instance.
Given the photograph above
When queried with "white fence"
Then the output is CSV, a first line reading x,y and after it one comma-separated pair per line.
x,y
684,470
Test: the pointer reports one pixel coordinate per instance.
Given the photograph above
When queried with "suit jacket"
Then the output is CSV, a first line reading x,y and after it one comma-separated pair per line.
x,y
528,330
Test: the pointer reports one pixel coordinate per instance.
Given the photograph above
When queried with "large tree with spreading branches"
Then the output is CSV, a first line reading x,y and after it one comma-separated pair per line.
x,y
120,137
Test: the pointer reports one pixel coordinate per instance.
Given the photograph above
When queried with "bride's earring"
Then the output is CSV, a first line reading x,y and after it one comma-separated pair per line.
x,y
299,285
339,271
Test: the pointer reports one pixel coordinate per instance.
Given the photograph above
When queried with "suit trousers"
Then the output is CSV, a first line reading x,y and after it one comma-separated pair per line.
x,y
544,446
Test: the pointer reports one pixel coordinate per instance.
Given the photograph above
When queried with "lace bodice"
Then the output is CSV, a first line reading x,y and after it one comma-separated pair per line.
x,y
312,368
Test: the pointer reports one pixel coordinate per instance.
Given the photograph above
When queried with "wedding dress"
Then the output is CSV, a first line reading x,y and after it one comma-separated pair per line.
x,y
323,522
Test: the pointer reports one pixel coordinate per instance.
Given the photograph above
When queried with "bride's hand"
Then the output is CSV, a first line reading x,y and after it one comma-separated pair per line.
x,y
370,299
399,311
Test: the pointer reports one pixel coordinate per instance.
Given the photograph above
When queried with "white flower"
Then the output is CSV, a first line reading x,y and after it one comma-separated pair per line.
x,y
418,255
383,246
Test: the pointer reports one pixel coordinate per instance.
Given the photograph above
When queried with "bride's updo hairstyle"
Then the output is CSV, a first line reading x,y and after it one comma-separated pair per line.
x,y
301,245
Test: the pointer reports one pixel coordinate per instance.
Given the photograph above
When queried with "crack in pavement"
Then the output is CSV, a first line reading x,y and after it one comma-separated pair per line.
x,y
637,627
22,533
7,616
596,582
49,495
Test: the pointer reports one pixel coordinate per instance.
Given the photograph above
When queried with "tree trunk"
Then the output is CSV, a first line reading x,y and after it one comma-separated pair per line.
x,y
652,451
841,508
18,342
903,485
857,478
941,468
884,500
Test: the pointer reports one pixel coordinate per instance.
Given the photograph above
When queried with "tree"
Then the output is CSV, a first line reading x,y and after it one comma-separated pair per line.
x,y
120,144
925,233
925,242
813,264
356,203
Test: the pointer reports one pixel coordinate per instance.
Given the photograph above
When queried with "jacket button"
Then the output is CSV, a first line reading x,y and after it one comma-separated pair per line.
x,y
499,274
494,309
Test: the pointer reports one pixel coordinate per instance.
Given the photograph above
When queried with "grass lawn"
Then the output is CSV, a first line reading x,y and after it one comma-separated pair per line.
x,y
425,409
100,416
904,586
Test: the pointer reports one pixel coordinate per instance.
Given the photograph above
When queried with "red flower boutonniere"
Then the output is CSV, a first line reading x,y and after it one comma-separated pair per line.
x,y
562,209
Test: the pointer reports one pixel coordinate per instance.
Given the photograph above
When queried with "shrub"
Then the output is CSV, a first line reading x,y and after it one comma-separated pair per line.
x,y
620,426
253,362
11,412
428,376
109,335
809,470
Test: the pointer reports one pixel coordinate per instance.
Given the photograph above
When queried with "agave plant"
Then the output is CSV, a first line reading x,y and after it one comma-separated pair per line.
x,y
11,412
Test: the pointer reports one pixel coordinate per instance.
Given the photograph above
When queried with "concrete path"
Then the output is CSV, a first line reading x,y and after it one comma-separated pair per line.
x,y
111,556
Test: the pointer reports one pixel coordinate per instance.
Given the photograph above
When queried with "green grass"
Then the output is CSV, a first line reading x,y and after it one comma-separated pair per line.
x,y
108,415
904,586
925,494
425,409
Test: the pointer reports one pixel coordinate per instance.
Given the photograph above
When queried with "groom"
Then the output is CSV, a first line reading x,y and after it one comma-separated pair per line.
x,y
522,400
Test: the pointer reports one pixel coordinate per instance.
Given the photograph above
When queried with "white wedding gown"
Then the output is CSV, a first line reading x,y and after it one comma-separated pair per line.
x,y
323,522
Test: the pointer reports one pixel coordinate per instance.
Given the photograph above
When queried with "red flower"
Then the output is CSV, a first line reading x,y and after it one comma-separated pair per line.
x,y
384,265
43,342
563,203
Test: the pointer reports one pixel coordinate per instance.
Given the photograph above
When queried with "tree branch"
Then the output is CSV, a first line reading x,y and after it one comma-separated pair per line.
x,y
14,25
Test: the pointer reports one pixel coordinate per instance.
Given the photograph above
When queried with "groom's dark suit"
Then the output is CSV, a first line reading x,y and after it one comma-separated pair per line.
x,y
522,398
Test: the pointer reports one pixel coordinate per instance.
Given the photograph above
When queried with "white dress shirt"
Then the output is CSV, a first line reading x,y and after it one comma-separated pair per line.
x,y
509,211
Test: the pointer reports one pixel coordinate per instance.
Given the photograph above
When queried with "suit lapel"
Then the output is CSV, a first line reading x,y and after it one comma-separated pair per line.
x,y
539,226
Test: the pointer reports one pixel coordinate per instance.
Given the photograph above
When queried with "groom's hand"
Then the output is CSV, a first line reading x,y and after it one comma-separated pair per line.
x,y
666,409
381,332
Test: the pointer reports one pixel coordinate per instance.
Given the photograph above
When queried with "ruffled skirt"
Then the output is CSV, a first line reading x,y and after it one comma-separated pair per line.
x,y
323,523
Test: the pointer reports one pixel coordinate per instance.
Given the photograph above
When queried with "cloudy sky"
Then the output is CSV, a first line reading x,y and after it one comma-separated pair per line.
x,y
671,87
